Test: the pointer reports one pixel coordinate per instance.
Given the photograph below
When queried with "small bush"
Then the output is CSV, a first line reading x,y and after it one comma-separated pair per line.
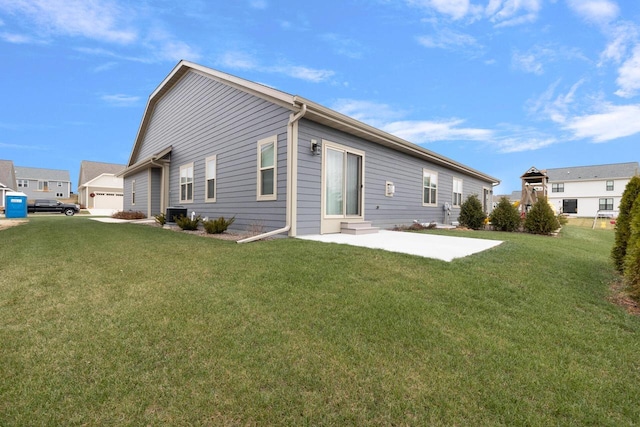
x,y
217,226
186,223
471,213
161,219
505,217
623,229
632,257
541,219
562,219
129,215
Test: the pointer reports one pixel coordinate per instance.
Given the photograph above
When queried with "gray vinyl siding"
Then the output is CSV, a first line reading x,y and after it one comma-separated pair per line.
x,y
142,186
381,164
200,117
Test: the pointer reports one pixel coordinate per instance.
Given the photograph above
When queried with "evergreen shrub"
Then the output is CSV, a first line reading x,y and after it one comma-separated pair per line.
x,y
471,213
186,223
632,257
623,229
541,219
217,226
505,217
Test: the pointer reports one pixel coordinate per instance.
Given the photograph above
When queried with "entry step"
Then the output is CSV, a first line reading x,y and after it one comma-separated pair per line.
x,y
363,227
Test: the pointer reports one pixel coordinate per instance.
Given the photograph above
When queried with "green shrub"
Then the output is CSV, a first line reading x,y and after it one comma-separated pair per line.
x,y
129,215
505,217
541,219
217,226
562,220
186,223
632,257
161,219
623,230
471,213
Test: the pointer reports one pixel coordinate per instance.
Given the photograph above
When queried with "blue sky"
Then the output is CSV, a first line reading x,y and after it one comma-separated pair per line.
x,y
499,85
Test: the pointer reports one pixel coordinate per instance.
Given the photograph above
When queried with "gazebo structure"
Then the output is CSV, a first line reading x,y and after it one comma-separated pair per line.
x,y
534,186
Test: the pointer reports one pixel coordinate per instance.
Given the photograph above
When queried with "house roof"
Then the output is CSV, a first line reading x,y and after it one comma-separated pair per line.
x,y
90,170
23,172
597,172
295,104
7,174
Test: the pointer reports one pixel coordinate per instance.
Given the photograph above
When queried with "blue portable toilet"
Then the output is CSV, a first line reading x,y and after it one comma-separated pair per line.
x,y
15,205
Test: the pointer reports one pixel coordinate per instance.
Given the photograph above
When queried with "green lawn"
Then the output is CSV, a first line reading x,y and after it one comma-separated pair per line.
x,y
123,324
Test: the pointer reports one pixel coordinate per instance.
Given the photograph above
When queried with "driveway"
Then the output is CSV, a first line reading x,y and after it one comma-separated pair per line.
x,y
445,248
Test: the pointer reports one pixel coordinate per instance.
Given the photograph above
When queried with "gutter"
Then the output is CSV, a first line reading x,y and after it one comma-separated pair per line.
x,y
292,175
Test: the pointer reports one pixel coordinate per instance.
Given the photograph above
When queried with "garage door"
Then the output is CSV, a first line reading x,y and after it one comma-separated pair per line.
x,y
108,201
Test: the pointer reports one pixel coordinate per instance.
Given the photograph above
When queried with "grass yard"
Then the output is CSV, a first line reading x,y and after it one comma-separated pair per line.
x,y
123,324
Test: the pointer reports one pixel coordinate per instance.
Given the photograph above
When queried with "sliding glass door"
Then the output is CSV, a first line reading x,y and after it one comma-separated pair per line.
x,y
342,186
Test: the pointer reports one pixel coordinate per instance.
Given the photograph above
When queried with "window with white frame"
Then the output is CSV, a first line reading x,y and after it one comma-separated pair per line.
x,y
186,183
24,183
557,187
267,169
457,191
133,192
210,192
43,185
429,187
605,204
609,185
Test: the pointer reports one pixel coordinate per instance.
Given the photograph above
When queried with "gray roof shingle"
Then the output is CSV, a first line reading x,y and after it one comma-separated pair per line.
x,y
23,172
90,170
611,171
7,174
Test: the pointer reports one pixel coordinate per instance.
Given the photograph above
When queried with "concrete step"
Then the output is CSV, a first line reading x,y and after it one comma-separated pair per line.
x,y
356,228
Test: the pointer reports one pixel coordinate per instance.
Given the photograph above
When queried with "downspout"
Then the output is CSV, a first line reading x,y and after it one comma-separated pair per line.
x,y
291,175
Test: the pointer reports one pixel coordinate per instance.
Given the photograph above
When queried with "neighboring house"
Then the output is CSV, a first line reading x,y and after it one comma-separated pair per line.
x,y
38,183
219,145
99,187
7,180
585,190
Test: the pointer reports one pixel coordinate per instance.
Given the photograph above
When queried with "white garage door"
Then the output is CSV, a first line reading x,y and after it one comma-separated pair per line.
x,y
108,201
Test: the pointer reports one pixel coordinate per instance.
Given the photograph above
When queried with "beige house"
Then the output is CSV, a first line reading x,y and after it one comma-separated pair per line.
x,y
99,188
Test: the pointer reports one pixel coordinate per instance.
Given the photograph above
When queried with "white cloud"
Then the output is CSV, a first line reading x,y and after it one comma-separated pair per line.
x,y
104,67
448,39
387,118
94,19
595,11
15,38
305,73
174,50
455,9
120,100
238,61
372,113
425,131
629,75
506,13
523,143
612,122
527,62
243,61
557,109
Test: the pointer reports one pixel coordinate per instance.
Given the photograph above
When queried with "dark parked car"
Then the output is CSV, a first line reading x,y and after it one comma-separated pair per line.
x,y
44,205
